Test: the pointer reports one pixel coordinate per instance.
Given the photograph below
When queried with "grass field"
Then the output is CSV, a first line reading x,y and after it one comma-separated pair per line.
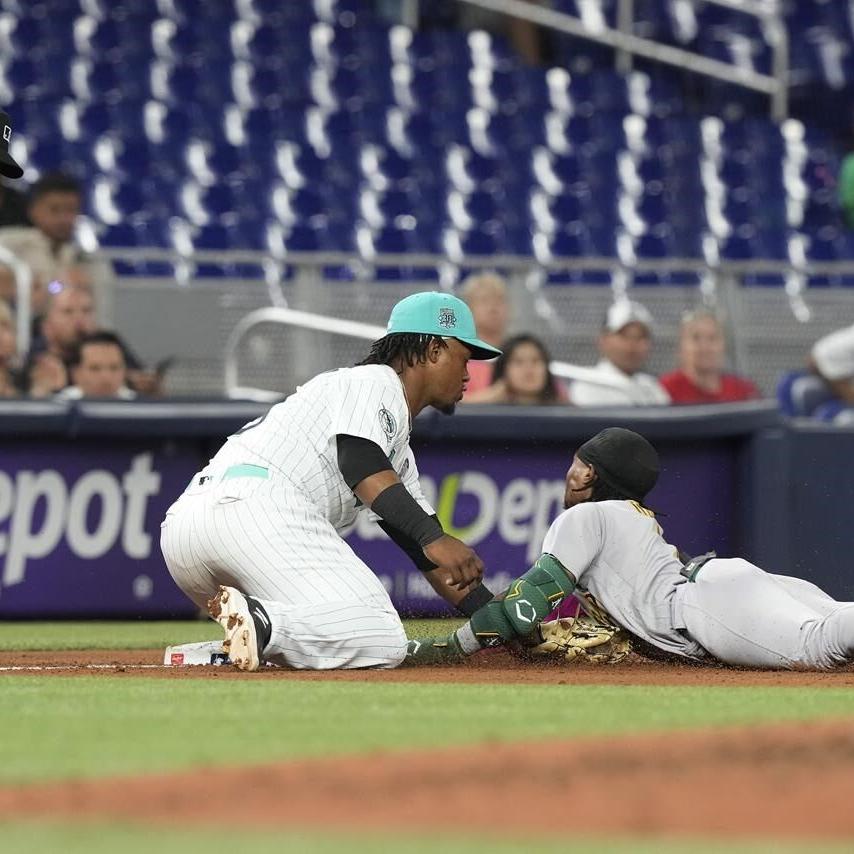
x,y
91,726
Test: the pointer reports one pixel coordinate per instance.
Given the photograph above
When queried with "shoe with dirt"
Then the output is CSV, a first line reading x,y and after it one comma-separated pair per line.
x,y
231,610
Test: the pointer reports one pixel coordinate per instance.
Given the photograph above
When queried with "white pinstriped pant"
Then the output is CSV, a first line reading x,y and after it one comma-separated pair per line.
x,y
265,538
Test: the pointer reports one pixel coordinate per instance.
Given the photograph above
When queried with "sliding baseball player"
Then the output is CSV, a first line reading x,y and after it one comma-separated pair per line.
x,y
608,549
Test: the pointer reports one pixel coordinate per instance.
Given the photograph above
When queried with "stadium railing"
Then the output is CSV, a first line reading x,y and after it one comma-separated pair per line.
x,y
627,45
773,310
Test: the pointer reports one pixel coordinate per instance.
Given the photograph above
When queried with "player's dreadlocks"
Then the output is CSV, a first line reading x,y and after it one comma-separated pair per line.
x,y
605,492
400,348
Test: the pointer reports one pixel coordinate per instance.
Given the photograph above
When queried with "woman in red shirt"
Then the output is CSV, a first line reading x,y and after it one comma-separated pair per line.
x,y
701,377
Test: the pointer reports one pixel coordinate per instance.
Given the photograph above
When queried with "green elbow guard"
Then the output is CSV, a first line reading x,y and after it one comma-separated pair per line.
x,y
528,601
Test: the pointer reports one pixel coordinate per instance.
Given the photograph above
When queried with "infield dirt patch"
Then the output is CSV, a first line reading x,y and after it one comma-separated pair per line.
x,y
780,781
485,668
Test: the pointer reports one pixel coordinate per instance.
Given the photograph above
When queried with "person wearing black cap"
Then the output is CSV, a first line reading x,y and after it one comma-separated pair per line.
x,y
8,166
608,549
13,205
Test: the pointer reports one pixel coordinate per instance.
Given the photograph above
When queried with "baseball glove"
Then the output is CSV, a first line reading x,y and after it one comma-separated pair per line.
x,y
583,638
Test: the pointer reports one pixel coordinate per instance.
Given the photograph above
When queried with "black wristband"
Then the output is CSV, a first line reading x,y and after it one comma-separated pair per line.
x,y
474,600
397,507
415,552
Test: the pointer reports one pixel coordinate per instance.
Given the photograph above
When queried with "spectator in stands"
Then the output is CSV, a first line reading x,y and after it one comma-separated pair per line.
x,y
530,41
10,379
49,246
98,369
702,352
69,315
832,360
624,346
521,375
13,204
845,188
486,296
13,208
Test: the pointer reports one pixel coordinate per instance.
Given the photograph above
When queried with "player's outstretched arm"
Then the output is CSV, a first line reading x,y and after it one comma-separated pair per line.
x,y
368,472
511,616
465,600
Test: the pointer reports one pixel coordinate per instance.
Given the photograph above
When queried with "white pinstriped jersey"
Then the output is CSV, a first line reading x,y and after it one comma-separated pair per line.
x,y
296,438
616,551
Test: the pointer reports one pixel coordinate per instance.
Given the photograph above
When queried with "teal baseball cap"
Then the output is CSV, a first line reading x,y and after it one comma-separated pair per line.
x,y
440,314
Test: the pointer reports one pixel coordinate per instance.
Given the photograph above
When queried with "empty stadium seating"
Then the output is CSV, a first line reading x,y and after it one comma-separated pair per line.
x,y
319,120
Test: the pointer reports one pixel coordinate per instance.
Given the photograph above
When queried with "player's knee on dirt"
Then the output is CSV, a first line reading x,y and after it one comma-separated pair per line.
x,y
529,600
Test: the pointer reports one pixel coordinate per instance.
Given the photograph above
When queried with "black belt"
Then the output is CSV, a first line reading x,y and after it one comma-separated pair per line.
x,y
695,564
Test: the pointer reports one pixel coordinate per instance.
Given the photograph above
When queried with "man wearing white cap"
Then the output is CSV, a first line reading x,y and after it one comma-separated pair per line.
x,y
256,534
832,358
624,346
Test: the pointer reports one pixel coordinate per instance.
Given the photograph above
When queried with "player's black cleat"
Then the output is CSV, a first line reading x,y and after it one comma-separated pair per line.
x,y
263,626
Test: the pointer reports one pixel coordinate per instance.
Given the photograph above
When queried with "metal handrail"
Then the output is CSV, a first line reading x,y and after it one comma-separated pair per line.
x,y
776,86
593,263
354,329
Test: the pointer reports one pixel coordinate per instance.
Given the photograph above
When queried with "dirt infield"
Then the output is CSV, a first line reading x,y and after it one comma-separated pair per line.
x,y
782,781
487,667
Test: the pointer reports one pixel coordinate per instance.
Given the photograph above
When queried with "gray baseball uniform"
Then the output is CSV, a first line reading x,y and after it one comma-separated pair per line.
x,y
264,516
733,610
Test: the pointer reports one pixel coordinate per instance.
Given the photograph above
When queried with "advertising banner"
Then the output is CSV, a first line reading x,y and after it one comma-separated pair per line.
x,y
80,528
501,501
80,521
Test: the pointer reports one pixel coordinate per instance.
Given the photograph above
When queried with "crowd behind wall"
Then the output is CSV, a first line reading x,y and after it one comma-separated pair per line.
x,y
75,353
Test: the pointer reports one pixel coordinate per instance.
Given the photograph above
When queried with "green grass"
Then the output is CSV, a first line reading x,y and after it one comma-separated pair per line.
x,y
139,635
90,726
110,838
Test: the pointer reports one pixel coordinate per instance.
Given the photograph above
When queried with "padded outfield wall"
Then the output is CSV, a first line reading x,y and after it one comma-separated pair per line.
x,y
84,486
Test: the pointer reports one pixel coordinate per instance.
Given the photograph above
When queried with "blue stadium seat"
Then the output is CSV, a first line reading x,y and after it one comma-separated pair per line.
x,y
96,118
822,245
277,14
740,246
570,242
307,238
603,240
26,81
220,237
566,208
129,199
119,236
132,156
655,244
799,393
50,155
473,93
263,125
393,240
834,411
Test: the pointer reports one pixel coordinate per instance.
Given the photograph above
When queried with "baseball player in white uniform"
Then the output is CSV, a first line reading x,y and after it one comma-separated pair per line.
x,y
256,533
608,547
